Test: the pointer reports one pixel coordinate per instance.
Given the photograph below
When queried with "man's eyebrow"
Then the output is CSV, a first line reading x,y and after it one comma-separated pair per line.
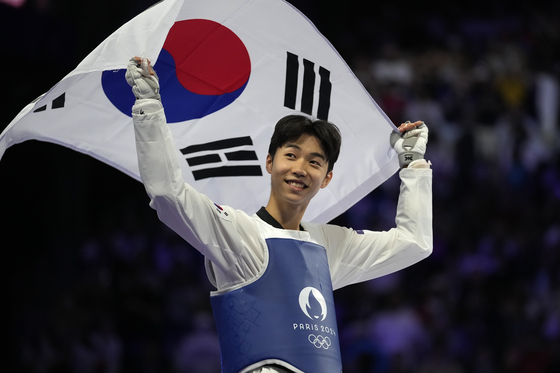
x,y
297,147
319,155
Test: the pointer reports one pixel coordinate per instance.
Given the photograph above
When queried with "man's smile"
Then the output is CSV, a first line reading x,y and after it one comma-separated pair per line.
x,y
297,184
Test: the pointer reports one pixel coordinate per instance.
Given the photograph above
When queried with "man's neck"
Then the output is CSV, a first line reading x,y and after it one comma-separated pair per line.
x,y
288,218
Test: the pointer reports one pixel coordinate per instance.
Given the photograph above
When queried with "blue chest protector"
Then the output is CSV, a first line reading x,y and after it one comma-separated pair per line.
x,y
285,317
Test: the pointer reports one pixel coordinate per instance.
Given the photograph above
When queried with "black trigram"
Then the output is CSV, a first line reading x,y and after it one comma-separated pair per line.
x,y
308,87
57,103
210,160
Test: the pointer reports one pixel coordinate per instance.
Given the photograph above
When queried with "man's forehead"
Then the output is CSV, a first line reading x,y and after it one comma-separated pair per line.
x,y
296,144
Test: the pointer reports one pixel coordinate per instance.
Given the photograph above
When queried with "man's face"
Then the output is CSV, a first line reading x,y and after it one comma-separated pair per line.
x,y
298,171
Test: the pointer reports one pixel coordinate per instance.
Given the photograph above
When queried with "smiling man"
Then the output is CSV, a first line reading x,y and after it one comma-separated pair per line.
x,y
274,274
300,160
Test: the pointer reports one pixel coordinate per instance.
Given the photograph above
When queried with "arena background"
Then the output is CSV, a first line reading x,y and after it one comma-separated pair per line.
x,y
94,283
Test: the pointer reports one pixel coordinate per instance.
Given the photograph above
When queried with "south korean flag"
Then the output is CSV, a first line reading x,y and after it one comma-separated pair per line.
x,y
229,70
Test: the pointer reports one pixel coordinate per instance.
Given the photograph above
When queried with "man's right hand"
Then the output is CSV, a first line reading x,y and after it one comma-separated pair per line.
x,y
144,85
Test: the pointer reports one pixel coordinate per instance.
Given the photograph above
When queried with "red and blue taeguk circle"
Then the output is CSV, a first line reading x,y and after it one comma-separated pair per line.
x,y
202,68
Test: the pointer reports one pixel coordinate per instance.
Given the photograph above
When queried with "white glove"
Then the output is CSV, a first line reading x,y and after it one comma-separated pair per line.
x,y
144,85
410,145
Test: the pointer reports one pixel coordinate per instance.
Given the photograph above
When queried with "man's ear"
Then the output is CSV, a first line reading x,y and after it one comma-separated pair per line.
x,y
327,180
269,163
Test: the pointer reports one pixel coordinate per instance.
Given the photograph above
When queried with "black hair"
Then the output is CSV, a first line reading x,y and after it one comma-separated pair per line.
x,y
291,127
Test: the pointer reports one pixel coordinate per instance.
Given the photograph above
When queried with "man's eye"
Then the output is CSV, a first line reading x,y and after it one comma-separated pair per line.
x,y
315,163
290,155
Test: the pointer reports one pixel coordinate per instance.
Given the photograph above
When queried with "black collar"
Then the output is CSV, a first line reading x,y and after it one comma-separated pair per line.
x,y
267,218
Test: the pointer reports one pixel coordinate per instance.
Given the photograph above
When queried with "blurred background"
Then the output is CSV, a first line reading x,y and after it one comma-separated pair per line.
x,y
95,283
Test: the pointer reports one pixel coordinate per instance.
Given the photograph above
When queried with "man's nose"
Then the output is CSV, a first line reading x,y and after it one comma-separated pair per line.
x,y
299,169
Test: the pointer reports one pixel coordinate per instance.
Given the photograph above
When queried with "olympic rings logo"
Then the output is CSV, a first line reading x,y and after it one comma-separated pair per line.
x,y
320,341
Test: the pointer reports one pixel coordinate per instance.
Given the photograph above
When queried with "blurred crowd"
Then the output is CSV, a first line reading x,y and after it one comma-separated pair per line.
x,y
487,299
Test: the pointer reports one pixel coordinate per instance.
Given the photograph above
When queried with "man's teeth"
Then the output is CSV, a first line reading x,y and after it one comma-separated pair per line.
x,y
296,184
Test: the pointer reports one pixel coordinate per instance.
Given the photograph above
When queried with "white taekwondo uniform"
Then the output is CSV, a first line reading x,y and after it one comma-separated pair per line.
x,y
234,243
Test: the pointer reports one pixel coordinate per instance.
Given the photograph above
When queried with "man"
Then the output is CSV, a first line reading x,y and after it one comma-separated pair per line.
x,y
275,274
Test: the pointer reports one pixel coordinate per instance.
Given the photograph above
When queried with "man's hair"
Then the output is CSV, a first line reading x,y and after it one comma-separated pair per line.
x,y
291,127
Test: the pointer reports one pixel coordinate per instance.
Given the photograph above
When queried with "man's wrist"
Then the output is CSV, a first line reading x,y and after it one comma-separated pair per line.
x,y
147,106
420,164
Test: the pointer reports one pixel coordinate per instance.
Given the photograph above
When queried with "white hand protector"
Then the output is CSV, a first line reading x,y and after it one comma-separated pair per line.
x,y
144,85
410,145
146,106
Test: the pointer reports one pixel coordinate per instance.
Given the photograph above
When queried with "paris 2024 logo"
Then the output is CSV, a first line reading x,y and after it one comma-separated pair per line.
x,y
314,306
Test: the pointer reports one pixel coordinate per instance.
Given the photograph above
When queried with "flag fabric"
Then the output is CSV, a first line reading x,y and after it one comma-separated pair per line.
x,y
229,70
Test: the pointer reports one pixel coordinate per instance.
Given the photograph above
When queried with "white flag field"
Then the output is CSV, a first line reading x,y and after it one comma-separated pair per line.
x,y
229,70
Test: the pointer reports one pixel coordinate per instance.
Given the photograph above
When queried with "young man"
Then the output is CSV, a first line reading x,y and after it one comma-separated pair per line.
x,y
275,274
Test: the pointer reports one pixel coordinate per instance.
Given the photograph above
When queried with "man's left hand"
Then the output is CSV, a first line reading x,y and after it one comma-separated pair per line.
x,y
410,142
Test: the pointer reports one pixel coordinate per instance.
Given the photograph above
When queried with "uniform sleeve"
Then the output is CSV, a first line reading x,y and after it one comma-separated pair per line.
x,y
217,233
356,256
